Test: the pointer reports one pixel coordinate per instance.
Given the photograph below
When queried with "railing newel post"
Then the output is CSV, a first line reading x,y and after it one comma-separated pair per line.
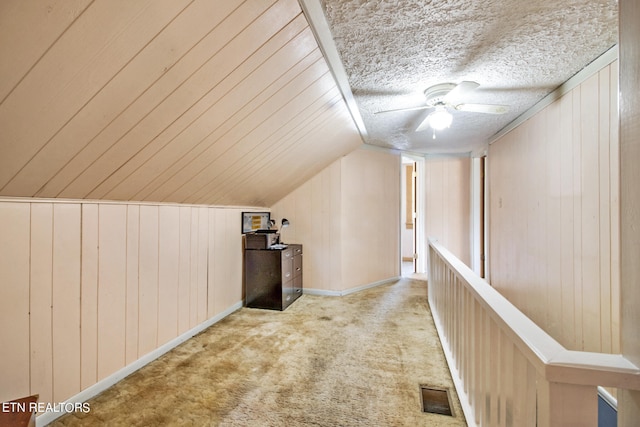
x,y
566,405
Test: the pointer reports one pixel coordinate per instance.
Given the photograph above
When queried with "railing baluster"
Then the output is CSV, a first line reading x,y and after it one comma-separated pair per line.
x,y
477,365
506,373
468,345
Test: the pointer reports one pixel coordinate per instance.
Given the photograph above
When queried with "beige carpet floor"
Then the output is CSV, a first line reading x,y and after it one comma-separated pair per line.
x,y
357,360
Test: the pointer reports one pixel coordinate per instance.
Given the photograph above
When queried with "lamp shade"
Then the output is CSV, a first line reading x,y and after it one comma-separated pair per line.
x,y
440,118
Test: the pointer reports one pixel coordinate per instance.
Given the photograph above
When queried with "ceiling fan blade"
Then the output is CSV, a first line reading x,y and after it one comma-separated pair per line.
x,y
424,107
459,91
422,126
483,108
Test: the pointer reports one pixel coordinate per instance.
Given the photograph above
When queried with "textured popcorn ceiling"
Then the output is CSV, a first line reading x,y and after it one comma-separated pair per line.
x,y
517,50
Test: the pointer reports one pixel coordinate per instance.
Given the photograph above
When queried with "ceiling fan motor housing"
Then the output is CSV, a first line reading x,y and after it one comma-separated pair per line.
x,y
435,94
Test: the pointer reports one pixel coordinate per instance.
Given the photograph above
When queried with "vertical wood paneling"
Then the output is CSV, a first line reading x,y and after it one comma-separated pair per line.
x,y
132,309
233,287
590,213
202,260
89,296
434,220
112,288
629,401
105,283
537,229
506,244
225,260
577,222
285,208
216,275
344,209
554,203
614,167
604,210
391,235
353,224
552,220
41,340
14,300
448,199
168,276
568,336
185,269
369,199
148,280
304,219
66,300
319,211
333,197
193,274
322,242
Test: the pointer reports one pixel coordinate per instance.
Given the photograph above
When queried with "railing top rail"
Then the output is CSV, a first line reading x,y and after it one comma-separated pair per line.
x,y
549,357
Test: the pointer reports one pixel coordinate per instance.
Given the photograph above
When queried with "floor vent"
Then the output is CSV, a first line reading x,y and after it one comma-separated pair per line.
x,y
435,400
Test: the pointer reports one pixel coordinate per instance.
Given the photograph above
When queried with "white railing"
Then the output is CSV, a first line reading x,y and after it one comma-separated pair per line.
x,y
507,370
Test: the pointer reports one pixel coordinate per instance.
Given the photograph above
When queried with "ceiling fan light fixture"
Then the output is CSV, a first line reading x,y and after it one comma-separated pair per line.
x,y
440,118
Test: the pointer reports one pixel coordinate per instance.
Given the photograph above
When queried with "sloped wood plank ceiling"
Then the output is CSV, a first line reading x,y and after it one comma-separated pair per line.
x,y
221,102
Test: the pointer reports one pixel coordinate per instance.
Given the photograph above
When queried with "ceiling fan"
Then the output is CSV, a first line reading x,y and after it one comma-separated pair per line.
x,y
442,96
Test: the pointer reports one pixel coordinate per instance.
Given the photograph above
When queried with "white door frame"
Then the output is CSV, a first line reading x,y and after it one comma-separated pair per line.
x,y
419,224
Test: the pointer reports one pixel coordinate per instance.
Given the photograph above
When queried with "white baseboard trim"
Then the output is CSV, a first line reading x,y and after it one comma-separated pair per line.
x,y
86,394
321,292
325,292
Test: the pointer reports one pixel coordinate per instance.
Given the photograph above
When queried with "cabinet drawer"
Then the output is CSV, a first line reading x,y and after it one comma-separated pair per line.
x,y
297,285
288,294
297,265
287,270
287,253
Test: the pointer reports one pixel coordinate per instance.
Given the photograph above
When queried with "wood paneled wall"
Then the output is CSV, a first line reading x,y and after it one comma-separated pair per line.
x,y
370,217
181,101
448,204
314,211
347,218
554,216
629,401
88,288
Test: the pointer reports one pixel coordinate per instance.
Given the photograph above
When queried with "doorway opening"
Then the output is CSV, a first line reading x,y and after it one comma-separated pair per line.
x,y
410,218
479,218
